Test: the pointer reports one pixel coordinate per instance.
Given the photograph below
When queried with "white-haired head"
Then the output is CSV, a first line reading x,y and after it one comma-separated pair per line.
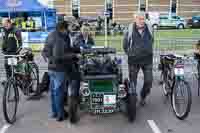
x,y
139,19
140,14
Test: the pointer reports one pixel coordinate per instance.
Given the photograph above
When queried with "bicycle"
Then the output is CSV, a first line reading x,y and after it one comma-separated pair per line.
x,y
25,74
174,85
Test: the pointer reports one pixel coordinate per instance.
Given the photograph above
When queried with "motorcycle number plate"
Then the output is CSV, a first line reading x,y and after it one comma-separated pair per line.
x,y
109,99
97,100
179,71
12,61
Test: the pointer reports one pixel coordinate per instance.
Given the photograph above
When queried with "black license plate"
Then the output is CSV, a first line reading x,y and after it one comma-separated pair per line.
x,y
97,100
103,111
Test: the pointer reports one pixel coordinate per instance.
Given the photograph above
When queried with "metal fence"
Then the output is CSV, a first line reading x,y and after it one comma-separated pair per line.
x,y
176,44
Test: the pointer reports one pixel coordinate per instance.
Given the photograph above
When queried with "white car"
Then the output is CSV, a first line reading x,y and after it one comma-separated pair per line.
x,y
170,22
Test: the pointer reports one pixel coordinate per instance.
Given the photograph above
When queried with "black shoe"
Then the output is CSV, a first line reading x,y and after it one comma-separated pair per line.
x,y
74,120
66,115
142,102
53,116
160,82
60,119
3,83
143,95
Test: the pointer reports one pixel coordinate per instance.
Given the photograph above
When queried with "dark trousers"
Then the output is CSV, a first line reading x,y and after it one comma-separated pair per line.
x,y
148,78
73,87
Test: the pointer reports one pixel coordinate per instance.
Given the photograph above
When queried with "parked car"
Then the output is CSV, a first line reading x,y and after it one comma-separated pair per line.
x,y
196,21
170,22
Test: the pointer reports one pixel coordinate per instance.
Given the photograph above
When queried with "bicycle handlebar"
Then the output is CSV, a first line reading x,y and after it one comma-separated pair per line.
x,y
19,49
14,55
175,56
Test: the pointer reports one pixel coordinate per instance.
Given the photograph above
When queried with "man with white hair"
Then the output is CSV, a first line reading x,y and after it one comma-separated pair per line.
x,y
138,45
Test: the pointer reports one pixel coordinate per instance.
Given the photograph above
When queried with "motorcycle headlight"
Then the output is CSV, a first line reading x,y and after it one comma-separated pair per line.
x,y
122,92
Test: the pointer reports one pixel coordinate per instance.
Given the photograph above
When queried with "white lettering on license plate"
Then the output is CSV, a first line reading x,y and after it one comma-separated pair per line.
x,y
179,71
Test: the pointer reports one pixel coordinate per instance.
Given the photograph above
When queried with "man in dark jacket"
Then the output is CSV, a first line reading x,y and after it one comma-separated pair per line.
x,y
138,43
61,61
11,42
84,40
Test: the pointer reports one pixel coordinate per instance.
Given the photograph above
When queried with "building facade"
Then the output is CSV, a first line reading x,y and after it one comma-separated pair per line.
x,y
91,7
188,8
161,6
123,10
63,7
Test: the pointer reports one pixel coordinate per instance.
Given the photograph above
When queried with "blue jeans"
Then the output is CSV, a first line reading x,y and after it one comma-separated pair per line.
x,y
57,84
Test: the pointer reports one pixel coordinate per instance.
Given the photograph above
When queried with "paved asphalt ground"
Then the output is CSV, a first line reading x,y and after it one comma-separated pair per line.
x,y
155,117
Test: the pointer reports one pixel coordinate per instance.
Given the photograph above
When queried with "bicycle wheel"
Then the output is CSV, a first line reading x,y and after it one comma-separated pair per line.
x,y
131,107
34,80
165,83
10,101
181,99
131,102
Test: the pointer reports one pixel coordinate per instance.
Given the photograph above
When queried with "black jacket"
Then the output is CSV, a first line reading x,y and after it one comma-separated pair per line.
x,y
61,56
139,48
79,41
11,41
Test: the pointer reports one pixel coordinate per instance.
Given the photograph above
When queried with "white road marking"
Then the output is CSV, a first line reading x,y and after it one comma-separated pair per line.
x,y
153,126
4,128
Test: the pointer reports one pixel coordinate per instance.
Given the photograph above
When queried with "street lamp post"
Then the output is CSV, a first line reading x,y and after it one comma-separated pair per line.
x,y
105,24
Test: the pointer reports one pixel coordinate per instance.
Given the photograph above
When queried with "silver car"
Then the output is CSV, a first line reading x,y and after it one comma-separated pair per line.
x,y
170,22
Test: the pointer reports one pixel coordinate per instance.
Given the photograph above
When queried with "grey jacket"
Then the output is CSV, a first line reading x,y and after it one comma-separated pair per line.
x,y
139,48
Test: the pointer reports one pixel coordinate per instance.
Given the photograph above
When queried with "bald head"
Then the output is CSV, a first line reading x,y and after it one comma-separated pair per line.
x,y
140,19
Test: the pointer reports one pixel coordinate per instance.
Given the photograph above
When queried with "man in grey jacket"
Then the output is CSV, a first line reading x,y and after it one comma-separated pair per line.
x,y
138,45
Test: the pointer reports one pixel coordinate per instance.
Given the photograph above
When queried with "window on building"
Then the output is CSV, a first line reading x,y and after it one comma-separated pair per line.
x,y
110,8
76,8
173,9
142,6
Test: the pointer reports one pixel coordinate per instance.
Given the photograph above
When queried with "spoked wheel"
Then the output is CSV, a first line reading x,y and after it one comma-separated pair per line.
x,y
166,84
131,103
163,83
131,107
10,101
33,89
181,99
